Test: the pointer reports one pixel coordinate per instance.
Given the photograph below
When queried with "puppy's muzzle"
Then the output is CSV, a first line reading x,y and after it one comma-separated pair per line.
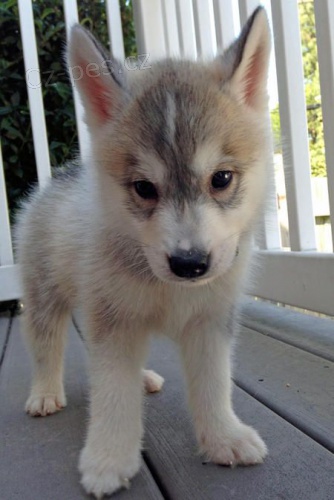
x,y
189,264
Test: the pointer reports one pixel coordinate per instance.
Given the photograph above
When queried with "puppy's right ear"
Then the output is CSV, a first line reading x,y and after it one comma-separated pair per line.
x,y
99,78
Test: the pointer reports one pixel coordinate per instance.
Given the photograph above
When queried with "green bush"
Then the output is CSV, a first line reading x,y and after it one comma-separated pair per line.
x,y
16,134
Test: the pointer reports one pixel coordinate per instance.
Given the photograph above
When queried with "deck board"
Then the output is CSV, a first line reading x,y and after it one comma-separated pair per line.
x,y
308,332
297,466
38,456
295,383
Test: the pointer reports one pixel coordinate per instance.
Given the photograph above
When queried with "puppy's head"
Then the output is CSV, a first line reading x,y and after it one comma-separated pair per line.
x,y
181,148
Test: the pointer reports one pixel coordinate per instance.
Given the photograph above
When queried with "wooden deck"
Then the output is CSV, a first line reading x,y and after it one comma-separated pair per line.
x,y
284,386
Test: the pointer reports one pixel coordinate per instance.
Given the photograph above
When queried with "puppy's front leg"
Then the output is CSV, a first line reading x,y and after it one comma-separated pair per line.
x,y
221,435
111,455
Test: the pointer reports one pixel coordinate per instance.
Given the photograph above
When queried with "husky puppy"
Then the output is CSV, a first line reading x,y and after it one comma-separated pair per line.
x,y
151,234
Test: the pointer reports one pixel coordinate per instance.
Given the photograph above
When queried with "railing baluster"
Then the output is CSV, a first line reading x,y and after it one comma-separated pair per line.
x,y
224,23
148,18
71,17
186,27
6,250
115,29
294,124
269,237
246,9
205,28
34,87
324,19
171,31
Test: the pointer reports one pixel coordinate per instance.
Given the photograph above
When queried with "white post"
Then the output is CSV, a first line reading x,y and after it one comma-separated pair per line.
x,y
171,28
148,18
34,87
6,251
205,28
324,20
224,21
294,124
269,237
246,9
115,29
186,26
71,17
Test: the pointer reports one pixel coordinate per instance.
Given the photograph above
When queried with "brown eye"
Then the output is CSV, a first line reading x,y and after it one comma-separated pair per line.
x,y
221,179
146,190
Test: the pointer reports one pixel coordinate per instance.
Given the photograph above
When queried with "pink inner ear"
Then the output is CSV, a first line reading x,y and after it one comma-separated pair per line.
x,y
253,78
98,96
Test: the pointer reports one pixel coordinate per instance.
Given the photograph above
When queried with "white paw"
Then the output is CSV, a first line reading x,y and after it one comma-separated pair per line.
x,y
41,405
153,382
102,476
240,445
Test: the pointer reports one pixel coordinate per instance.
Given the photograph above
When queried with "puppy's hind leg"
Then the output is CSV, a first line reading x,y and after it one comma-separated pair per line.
x,y
153,382
45,331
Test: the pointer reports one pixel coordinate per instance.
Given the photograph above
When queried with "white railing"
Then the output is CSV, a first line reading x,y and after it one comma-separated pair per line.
x,y
199,28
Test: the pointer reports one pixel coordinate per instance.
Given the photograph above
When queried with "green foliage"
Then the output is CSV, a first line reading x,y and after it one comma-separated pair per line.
x,y
16,134
312,91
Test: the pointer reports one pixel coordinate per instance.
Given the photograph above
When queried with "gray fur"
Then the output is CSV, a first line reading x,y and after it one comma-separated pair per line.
x,y
89,239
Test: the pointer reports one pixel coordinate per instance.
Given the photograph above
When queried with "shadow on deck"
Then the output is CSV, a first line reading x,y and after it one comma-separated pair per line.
x,y
284,386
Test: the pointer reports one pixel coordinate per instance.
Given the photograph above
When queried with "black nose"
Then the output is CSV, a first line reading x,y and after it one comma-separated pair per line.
x,y
189,263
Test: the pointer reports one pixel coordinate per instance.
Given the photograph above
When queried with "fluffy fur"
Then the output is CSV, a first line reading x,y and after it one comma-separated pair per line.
x,y
90,239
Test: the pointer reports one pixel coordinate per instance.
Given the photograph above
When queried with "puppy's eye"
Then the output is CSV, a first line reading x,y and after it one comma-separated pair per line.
x,y
221,179
146,190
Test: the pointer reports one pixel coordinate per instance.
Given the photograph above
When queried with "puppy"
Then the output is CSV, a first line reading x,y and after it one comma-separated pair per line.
x,y
151,233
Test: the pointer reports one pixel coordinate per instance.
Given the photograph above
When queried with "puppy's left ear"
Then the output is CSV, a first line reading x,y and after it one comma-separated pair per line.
x,y
244,65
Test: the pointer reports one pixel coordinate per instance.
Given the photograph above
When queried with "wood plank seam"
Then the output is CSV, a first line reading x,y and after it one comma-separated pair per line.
x,y
285,414
156,476
267,332
77,328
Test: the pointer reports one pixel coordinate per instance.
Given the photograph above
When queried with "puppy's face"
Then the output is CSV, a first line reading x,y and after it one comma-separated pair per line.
x,y
191,168
187,157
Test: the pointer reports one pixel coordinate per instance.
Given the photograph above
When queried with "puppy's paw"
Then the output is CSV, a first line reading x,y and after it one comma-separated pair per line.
x,y
241,445
41,405
101,475
153,382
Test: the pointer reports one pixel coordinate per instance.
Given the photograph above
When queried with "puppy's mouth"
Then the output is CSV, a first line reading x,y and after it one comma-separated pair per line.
x,y
196,267
188,282
192,267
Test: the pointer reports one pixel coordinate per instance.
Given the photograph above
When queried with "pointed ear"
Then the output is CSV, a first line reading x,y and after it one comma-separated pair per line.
x,y
98,77
245,63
